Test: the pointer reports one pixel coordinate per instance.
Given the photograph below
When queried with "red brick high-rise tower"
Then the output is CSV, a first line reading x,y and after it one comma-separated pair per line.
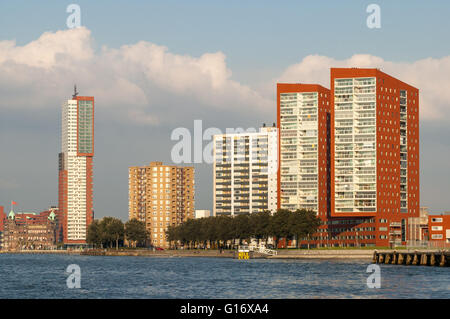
x,y
75,169
352,155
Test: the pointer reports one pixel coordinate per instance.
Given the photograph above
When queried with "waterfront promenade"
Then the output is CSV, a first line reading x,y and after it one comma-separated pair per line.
x,y
343,254
282,253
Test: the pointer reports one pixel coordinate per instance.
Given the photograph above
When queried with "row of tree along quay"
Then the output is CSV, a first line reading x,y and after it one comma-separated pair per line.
x,y
228,232
214,232
111,231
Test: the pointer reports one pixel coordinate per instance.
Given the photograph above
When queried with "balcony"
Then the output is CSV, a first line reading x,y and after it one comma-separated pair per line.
x,y
344,123
364,123
344,140
343,99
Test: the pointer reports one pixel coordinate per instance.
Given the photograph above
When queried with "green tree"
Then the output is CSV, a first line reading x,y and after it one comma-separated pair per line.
x,y
221,229
112,230
303,223
116,230
213,231
94,235
171,234
136,232
312,223
260,225
280,227
241,228
224,229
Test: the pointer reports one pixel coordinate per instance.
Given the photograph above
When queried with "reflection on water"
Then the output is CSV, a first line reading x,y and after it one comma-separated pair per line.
x,y
43,276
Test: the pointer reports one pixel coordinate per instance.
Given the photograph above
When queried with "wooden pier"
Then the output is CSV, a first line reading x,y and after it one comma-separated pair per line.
x,y
415,258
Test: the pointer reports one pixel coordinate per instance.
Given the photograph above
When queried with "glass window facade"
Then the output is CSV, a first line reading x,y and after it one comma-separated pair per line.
x,y
85,127
355,144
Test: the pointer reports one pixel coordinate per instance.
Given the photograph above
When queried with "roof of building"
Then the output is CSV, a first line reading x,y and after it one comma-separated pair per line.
x,y
440,214
51,216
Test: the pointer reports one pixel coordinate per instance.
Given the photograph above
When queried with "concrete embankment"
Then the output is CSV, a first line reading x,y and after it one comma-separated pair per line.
x,y
162,253
324,254
282,254
40,252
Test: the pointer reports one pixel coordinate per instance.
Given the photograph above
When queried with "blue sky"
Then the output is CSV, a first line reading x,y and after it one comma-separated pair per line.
x,y
251,33
260,41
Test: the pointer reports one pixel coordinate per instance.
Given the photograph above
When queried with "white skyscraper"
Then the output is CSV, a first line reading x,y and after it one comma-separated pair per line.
x,y
75,168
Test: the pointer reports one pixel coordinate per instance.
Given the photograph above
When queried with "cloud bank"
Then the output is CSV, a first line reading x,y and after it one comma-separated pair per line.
x,y
134,80
147,84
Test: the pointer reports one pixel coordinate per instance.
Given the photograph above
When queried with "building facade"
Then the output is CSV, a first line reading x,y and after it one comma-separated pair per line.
x,y
370,153
202,213
304,115
303,122
161,196
2,218
418,227
374,152
2,221
245,172
35,234
439,227
76,169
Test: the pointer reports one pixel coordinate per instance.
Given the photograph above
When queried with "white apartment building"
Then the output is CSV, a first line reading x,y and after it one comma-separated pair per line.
x,y
245,172
304,138
355,144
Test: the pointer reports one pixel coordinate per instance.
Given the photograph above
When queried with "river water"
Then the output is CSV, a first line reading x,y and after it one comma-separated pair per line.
x,y
44,276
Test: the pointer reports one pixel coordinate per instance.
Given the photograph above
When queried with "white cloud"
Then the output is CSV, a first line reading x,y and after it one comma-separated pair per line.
x,y
430,76
147,83
50,49
137,80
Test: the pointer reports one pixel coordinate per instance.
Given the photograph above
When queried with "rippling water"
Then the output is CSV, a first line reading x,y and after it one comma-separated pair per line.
x,y
44,276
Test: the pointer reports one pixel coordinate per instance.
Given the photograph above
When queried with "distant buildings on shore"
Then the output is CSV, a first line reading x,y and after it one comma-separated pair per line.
x,y
29,230
75,175
350,153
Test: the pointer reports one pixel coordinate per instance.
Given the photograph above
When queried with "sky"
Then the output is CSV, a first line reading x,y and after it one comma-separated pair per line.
x,y
156,66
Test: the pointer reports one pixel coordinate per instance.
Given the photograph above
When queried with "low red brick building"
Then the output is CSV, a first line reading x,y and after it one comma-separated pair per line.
x,y
25,232
439,227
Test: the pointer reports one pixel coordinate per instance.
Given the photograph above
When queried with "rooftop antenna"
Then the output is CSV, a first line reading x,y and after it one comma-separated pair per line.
x,y
75,93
